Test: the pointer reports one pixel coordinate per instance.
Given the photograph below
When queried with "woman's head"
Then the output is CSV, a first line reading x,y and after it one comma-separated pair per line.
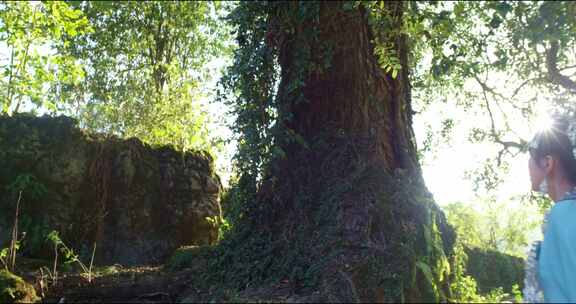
x,y
552,156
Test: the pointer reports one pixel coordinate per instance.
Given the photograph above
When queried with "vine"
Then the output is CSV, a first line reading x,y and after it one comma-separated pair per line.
x,y
250,86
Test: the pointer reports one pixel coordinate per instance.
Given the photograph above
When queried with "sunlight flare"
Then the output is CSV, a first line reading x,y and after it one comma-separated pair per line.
x,y
544,122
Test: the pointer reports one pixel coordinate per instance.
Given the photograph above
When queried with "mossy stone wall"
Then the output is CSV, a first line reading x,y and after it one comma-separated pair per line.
x,y
136,202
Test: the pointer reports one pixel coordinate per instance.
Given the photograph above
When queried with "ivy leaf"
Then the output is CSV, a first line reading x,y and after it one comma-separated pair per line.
x,y
495,22
503,8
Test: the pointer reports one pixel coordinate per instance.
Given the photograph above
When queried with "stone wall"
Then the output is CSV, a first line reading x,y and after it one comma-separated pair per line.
x,y
492,269
137,203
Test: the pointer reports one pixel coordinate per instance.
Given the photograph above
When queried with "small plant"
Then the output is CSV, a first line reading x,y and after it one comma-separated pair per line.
x,y
69,255
8,255
25,187
4,257
221,224
28,183
517,293
464,288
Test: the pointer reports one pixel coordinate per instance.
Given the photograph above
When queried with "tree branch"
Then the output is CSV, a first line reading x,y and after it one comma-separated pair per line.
x,y
9,94
517,90
553,71
506,144
495,136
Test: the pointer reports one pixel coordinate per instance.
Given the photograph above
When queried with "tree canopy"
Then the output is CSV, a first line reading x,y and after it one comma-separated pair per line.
x,y
31,71
124,68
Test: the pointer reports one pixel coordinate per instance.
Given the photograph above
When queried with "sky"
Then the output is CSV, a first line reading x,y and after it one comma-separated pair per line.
x,y
444,169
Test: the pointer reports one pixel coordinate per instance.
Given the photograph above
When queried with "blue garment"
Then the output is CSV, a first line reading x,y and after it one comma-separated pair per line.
x,y
557,259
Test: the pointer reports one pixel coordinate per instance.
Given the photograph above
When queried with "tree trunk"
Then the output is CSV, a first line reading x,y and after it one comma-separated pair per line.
x,y
346,212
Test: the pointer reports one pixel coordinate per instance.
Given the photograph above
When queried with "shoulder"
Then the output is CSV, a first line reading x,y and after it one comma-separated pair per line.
x,y
564,206
563,212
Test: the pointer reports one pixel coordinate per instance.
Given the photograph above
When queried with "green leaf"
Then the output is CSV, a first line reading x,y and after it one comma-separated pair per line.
x,y
495,22
503,8
427,272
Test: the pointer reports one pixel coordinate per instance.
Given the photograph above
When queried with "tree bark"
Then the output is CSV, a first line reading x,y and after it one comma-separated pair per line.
x,y
353,97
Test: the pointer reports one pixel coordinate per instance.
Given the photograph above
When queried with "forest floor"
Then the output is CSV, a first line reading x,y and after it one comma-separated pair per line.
x,y
108,284
141,284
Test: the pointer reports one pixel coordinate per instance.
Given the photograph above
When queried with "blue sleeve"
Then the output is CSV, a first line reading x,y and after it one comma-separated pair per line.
x,y
557,262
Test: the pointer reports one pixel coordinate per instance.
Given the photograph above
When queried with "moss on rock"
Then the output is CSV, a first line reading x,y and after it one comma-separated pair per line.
x,y
15,290
187,256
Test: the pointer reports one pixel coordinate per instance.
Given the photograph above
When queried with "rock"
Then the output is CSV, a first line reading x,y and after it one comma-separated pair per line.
x,y
212,185
195,184
14,290
136,202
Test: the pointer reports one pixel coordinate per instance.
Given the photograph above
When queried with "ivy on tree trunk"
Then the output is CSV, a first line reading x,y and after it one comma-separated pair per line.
x,y
339,206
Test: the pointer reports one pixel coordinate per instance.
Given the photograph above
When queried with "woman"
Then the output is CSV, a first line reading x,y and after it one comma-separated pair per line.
x,y
551,264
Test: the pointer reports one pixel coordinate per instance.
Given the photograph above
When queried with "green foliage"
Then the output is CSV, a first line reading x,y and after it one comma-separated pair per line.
x,y
186,257
146,66
30,74
465,288
386,30
35,234
4,252
133,70
70,257
248,86
28,185
30,191
492,60
482,271
498,227
517,293
492,269
434,264
221,224
470,38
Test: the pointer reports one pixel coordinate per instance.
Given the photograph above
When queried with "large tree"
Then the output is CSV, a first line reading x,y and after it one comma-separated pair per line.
x,y
331,196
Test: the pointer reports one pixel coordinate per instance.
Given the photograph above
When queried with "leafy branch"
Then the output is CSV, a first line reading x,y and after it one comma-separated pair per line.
x,y
494,134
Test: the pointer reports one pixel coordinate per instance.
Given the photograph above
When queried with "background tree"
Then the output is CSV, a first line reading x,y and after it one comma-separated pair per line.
x,y
28,32
504,63
493,225
145,66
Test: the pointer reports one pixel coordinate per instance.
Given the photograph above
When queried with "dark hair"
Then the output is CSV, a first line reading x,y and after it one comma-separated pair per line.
x,y
556,142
